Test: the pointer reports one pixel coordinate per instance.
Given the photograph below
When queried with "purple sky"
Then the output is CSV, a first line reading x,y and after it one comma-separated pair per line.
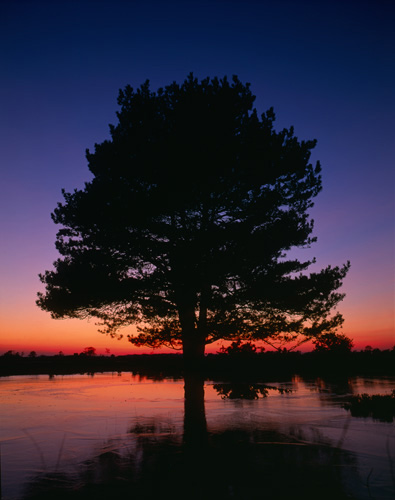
x,y
326,67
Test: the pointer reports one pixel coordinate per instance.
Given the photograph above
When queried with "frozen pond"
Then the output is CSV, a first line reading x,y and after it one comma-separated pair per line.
x,y
59,426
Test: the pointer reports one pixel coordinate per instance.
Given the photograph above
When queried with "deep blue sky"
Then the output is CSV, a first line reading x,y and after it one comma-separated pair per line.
x,y
327,67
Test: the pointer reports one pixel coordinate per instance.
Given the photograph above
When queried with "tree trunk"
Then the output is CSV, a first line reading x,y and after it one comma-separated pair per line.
x,y
193,344
193,339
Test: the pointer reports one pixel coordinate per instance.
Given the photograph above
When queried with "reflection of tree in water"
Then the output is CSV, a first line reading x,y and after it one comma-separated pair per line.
x,y
236,463
339,386
246,390
154,460
379,407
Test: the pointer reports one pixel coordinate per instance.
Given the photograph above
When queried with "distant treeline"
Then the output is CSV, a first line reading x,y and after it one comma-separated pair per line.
x,y
237,365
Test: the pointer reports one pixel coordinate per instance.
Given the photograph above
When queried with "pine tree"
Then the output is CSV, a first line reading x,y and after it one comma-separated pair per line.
x,y
186,227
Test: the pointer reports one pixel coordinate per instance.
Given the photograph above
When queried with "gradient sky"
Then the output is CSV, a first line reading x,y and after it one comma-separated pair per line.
x,y
326,67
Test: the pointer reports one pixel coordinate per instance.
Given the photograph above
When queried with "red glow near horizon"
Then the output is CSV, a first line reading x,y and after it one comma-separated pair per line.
x,y
34,330
49,343
25,328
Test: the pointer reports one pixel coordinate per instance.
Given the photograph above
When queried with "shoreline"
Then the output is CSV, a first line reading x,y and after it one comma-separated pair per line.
x,y
257,366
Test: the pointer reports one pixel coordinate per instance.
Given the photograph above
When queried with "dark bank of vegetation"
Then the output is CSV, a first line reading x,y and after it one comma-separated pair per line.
x,y
238,363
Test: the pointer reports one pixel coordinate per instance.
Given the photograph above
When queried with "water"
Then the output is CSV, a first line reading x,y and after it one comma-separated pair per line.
x,y
75,431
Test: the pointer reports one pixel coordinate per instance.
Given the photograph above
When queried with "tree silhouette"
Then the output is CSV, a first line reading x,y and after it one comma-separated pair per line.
x,y
89,351
185,228
239,349
334,343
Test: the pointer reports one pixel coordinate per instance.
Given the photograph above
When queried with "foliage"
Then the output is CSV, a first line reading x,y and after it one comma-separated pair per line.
x,y
12,354
186,226
89,351
335,343
237,348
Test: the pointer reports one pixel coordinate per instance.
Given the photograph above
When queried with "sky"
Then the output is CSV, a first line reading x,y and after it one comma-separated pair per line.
x,y
327,68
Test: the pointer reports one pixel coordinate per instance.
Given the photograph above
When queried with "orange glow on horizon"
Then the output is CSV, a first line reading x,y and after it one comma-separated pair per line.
x,y
36,331
51,343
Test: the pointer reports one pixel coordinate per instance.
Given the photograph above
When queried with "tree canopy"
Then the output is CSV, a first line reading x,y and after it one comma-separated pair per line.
x,y
333,343
186,226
